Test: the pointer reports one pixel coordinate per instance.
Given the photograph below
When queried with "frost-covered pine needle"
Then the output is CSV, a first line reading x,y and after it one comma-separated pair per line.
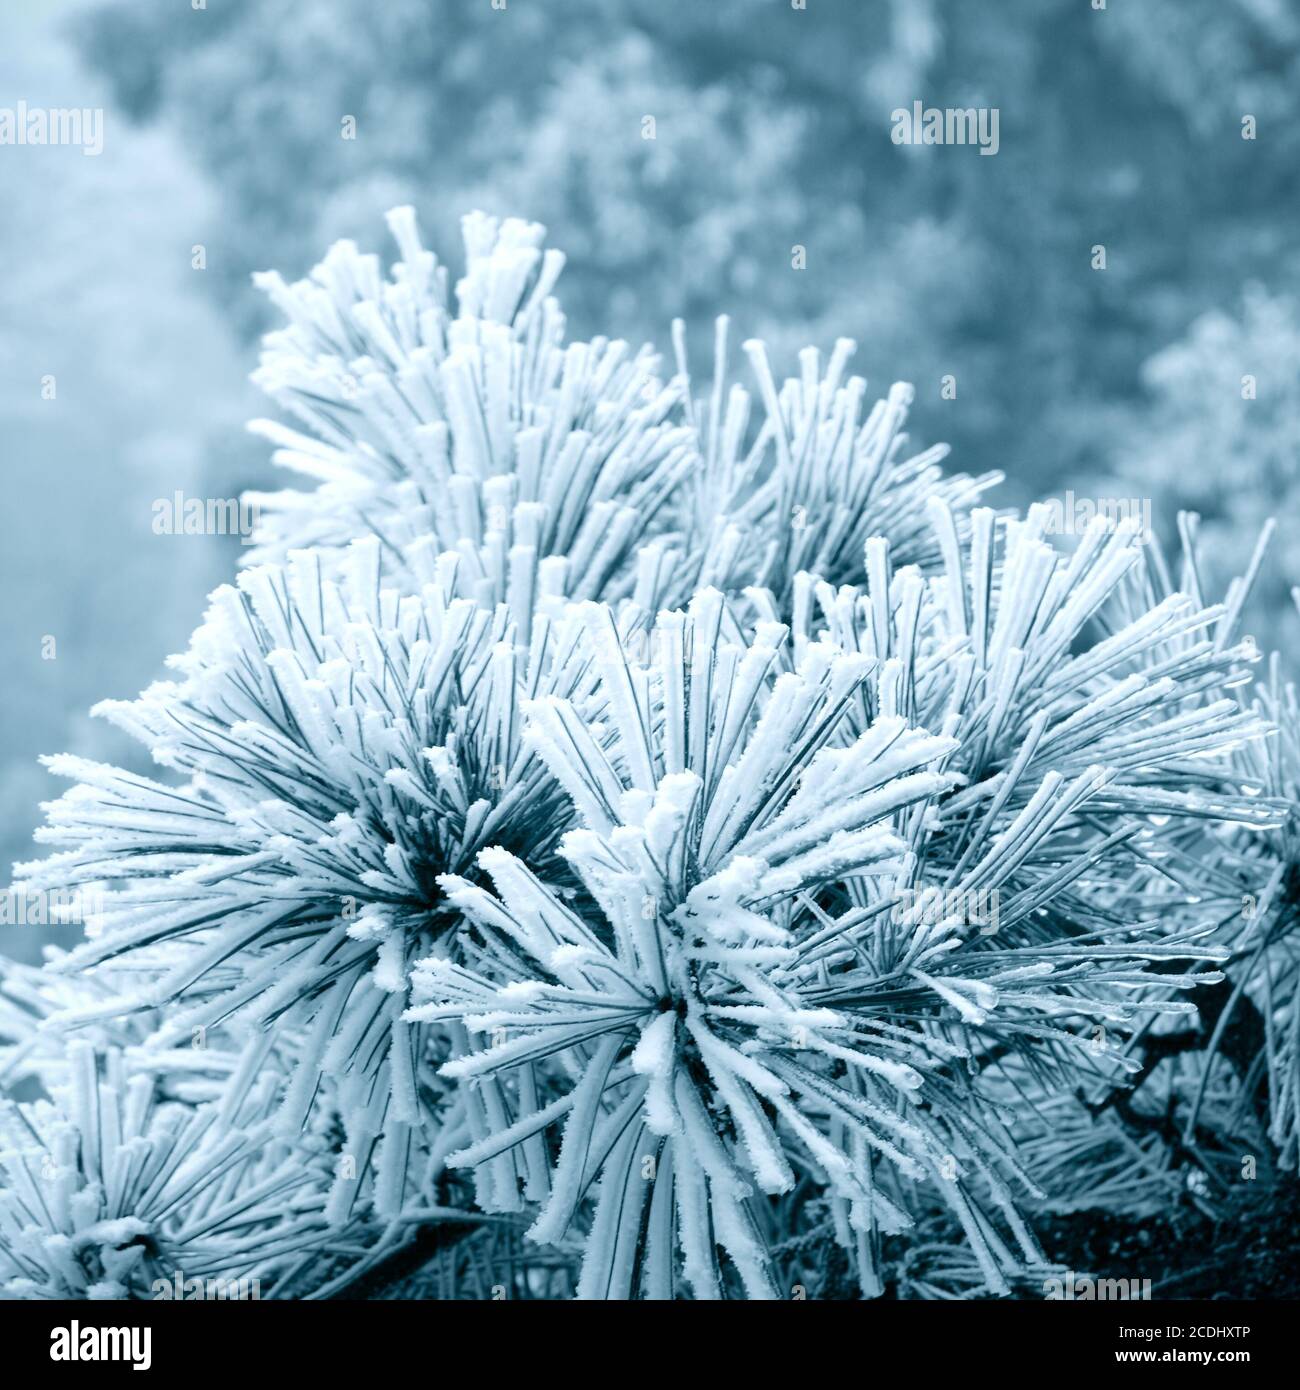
x,y
854,896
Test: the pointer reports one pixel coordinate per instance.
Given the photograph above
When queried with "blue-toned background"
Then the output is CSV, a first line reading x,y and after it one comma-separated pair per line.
x,y
1120,128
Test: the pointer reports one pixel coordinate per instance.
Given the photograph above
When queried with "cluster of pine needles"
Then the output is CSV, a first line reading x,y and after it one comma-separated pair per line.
x,y
627,836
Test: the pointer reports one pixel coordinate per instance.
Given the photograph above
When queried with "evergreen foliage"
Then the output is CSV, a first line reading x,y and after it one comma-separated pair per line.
x,y
600,825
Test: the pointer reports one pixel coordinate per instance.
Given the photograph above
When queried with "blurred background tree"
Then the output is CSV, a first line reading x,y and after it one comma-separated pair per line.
x,y
120,382
1121,127
1218,430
